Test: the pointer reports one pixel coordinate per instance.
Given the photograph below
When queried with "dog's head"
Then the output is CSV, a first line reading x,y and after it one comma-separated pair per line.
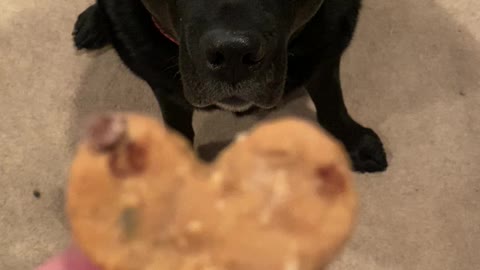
x,y
233,53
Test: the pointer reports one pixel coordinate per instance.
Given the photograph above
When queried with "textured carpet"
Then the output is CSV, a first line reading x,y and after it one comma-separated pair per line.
x,y
412,74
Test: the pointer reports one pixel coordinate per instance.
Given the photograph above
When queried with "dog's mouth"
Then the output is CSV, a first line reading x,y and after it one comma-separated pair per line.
x,y
261,90
234,104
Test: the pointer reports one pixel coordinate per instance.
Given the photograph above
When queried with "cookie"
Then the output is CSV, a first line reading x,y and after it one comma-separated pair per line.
x,y
279,198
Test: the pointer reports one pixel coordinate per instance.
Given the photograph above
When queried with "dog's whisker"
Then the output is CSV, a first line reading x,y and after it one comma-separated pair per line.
x,y
177,74
171,67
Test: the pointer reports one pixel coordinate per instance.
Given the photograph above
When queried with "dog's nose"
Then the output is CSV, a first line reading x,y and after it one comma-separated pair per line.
x,y
232,57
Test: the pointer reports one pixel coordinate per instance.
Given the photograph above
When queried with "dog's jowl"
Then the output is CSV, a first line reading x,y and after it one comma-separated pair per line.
x,y
236,55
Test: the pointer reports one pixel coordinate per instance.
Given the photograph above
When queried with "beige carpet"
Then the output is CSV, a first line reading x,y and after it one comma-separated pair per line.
x,y
418,61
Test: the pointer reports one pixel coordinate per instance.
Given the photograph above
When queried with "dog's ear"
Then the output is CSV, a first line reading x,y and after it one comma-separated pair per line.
x,y
161,12
304,13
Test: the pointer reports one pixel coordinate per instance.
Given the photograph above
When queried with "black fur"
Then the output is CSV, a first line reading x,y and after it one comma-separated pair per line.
x,y
307,41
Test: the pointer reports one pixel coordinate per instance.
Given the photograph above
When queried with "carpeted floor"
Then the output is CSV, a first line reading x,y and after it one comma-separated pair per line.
x,y
412,74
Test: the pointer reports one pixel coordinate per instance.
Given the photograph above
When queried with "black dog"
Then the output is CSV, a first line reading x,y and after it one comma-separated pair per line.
x,y
237,55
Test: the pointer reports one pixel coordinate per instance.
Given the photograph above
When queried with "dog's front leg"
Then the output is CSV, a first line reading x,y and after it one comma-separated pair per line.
x,y
91,30
363,144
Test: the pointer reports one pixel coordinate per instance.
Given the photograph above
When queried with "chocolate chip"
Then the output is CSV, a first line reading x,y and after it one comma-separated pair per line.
x,y
105,132
129,222
332,180
128,160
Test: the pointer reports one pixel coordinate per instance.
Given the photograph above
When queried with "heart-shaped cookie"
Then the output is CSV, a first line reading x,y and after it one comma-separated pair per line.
x,y
279,198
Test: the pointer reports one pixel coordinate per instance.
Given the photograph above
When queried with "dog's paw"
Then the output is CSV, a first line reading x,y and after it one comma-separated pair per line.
x,y
91,30
366,152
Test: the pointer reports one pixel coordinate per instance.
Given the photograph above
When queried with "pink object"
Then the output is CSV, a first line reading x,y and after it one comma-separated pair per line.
x,y
70,259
